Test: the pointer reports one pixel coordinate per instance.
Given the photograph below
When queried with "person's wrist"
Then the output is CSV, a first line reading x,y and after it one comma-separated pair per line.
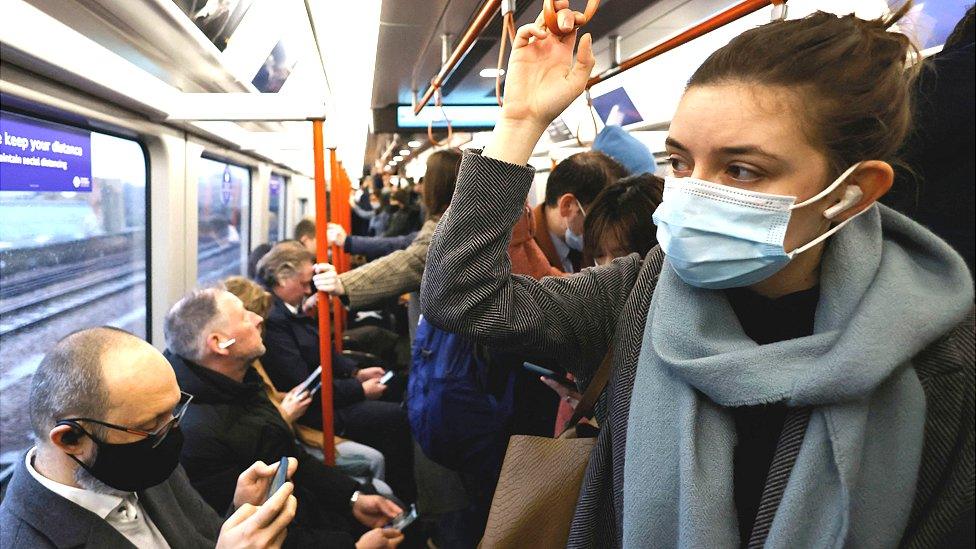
x,y
513,140
524,125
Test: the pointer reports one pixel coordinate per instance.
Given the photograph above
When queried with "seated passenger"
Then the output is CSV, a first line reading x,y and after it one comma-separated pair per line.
x,y
292,341
793,366
399,272
105,410
211,342
357,460
571,187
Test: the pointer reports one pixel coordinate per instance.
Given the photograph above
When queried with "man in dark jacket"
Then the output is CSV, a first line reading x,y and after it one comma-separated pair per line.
x,y
105,409
212,341
292,341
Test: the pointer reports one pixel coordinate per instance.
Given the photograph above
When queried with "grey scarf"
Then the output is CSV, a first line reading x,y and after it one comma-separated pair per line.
x,y
888,289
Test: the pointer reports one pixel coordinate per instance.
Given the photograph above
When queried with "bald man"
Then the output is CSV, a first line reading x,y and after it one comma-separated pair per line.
x,y
105,410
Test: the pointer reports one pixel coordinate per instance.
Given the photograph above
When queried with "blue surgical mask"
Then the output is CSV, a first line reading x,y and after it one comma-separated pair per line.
x,y
573,240
717,237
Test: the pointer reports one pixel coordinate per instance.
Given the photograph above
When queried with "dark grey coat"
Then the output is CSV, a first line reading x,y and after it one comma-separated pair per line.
x,y
33,516
468,289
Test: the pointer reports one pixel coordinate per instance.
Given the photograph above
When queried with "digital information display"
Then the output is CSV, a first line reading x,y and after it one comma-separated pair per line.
x,y
616,108
43,156
461,116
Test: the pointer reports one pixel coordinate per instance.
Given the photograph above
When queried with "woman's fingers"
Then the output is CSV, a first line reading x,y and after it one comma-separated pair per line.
x,y
526,32
583,66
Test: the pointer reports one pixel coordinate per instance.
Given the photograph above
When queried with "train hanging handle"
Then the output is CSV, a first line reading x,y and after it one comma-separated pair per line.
x,y
438,102
551,16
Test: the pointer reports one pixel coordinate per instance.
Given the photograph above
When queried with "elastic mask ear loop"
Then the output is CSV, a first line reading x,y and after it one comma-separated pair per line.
x,y
830,188
582,209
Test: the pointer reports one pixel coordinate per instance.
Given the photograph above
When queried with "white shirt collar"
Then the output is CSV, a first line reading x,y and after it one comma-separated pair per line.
x,y
100,504
290,307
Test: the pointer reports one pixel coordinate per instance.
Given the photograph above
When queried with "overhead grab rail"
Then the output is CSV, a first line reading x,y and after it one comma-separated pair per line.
x,y
481,21
508,35
718,20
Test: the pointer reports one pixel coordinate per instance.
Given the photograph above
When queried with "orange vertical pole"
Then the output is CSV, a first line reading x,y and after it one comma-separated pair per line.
x,y
338,311
325,328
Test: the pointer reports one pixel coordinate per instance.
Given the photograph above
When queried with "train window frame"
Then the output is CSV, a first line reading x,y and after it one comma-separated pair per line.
x,y
246,212
54,115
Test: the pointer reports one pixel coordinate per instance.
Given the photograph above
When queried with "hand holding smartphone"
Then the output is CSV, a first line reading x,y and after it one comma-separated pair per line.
x,y
281,476
404,519
547,373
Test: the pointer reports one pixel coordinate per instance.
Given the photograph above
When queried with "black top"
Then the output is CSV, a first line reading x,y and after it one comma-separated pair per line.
x,y
758,428
230,425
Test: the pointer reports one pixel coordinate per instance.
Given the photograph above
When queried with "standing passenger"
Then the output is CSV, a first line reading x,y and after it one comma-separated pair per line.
x,y
571,186
806,351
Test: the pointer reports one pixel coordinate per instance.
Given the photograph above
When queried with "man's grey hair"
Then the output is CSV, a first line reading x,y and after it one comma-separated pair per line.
x,y
190,321
69,381
282,262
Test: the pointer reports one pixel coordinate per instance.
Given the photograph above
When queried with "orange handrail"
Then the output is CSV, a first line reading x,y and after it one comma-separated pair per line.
x,y
338,310
325,328
488,10
720,19
551,16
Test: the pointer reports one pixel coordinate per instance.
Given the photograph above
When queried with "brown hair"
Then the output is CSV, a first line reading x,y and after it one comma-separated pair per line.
x,y
305,228
439,180
255,298
583,175
850,76
623,213
282,262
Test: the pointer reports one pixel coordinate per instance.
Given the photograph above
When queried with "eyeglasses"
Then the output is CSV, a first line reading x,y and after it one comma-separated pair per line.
x,y
156,436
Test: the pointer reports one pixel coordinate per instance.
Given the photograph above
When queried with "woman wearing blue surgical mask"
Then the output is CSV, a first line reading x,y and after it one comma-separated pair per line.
x,y
794,365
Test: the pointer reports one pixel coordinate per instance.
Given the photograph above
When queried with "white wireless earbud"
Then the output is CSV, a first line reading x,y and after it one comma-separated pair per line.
x,y
227,343
852,196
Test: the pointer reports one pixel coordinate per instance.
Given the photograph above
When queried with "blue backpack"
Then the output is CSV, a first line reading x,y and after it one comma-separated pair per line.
x,y
455,418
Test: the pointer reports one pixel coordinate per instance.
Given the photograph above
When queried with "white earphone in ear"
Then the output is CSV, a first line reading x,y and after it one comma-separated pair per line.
x,y
852,196
227,343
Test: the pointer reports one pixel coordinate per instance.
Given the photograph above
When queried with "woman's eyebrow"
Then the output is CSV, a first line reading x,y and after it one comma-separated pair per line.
x,y
748,149
672,142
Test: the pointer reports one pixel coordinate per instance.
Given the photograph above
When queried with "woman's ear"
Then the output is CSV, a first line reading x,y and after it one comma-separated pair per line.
x,y
873,178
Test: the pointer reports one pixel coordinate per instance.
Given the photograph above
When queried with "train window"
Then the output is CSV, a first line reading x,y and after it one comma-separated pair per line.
x,y
222,204
73,224
276,213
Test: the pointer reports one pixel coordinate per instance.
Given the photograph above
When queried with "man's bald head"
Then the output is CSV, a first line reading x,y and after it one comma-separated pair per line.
x,y
77,376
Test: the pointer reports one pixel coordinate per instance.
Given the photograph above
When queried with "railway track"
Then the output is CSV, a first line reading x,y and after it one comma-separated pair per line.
x,y
30,301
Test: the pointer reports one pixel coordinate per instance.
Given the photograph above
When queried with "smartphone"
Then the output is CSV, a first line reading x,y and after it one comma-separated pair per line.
x,y
315,388
390,374
404,519
311,379
281,475
547,373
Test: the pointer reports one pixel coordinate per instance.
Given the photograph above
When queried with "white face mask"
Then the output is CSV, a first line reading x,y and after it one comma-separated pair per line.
x,y
716,236
573,240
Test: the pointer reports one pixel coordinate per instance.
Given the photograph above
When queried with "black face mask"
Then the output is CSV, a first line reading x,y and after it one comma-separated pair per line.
x,y
137,465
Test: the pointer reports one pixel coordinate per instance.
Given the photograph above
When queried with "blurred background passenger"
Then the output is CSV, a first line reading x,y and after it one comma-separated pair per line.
x,y
405,218
618,144
211,341
571,186
105,409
